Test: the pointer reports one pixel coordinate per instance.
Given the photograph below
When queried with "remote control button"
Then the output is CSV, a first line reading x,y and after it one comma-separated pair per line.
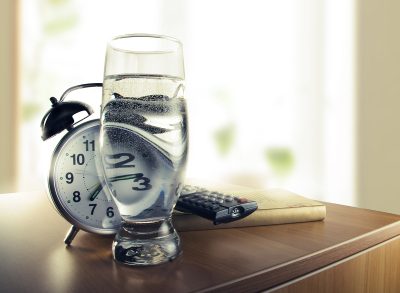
x,y
188,189
212,199
220,200
235,212
242,200
228,198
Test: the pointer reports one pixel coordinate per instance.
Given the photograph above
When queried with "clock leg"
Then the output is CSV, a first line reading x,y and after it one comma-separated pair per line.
x,y
71,235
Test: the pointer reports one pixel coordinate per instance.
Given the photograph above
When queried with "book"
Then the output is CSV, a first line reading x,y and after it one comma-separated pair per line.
x,y
275,206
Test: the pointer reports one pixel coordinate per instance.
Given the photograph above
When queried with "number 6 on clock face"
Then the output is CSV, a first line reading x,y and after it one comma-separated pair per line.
x,y
76,184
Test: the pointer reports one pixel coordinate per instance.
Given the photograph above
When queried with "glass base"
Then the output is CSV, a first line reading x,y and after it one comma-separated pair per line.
x,y
146,243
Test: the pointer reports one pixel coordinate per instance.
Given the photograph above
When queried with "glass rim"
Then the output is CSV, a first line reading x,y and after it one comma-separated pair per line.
x,y
144,35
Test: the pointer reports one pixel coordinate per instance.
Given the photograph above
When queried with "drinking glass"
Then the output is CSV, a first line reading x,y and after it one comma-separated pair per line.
x,y
144,142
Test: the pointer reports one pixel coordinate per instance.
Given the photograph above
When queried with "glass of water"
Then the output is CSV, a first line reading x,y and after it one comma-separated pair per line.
x,y
144,143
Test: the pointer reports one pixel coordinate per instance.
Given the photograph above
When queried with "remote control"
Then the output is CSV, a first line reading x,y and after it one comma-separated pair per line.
x,y
215,206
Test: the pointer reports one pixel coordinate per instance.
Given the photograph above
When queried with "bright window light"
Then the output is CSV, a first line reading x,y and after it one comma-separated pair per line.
x,y
265,83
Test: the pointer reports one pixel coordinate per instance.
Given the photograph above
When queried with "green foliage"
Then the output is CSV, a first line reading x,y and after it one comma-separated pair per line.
x,y
58,16
224,138
222,95
58,26
280,159
57,2
30,110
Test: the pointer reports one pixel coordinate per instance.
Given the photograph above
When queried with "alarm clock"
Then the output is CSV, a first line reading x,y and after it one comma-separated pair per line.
x,y
75,183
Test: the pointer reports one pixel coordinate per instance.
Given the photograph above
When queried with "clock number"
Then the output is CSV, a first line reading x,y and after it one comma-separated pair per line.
x,y
93,205
78,159
70,177
77,196
127,158
110,212
144,183
88,143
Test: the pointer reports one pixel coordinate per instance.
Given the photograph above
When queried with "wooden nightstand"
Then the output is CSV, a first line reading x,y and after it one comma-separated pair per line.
x,y
353,250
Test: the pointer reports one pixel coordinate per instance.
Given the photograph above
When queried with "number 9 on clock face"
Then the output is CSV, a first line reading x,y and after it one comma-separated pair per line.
x,y
76,184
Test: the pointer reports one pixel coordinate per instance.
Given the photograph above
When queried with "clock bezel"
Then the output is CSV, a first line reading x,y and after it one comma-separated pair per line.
x,y
54,196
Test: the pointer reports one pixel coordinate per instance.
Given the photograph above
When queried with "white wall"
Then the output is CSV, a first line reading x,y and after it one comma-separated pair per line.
x,y
8,95
378,104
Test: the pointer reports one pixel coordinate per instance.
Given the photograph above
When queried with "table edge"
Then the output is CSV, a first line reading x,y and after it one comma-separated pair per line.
x,y
282,273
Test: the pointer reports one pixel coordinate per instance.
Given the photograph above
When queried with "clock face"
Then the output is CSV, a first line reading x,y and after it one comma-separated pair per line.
x,y
76,185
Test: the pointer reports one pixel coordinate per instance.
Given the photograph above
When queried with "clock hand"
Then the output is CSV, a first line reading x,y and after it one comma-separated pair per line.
x,y
97,190
125,177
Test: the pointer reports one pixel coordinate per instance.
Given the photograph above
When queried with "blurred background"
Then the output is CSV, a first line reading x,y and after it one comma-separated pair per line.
x,y
302,95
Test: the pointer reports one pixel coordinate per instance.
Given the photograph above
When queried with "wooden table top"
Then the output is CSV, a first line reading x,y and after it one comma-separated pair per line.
x,y
35,259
